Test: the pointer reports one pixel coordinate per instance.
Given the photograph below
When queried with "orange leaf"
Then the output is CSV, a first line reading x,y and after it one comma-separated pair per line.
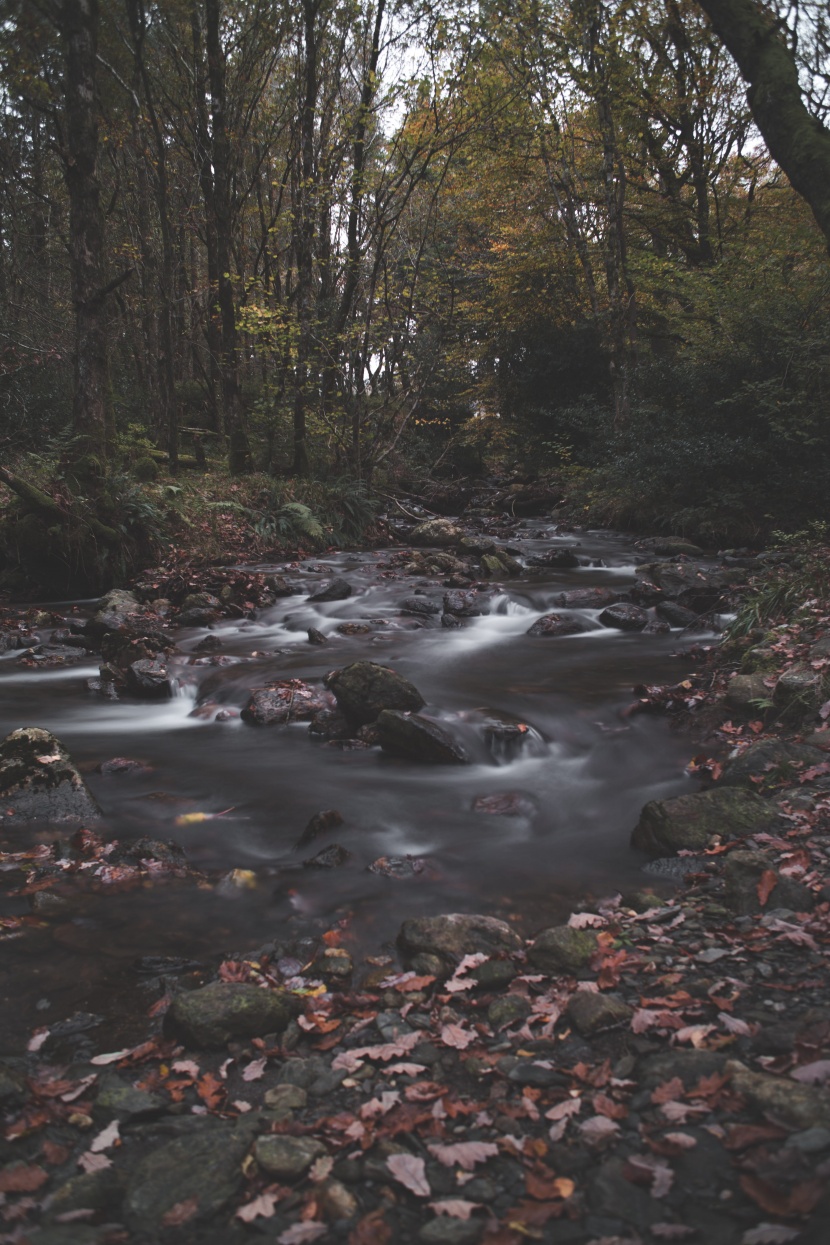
x,y
766,885
210,1090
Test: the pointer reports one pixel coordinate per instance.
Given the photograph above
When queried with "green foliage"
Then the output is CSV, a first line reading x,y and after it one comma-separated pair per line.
x,y
790,586
146,469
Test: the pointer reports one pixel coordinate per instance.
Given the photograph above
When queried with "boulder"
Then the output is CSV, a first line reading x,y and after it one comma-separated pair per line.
x,y
363,690
781,1099
287,1158
743,690
555,624
624,617
330,724
419,606
418,739
477,545
321,823
677,615
587,598
563,949
742,874
203,1167
772,761
289,701
452,936
279,586
800,693
694,587
688,822
335,590
149,679
562,557
331,857
438,532
590,1013
211,1016
465,604
119,610
38,781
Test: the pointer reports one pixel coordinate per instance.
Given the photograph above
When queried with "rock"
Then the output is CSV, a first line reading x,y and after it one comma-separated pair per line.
x,y
465,604
451,621
624,617
12,1086
149,679
781,1099
321,823
205,1167
117,611
332,857
38,781
444,1230
419,606
330,724
334,963
438,532
743,689
677,615
315,636
773,761
97,1190
591,1012
335,590
656,626
279,586
689,1065
561,557
688,822
692,586
742,873
810,1141
201,601
210,644
587,598
211,1016
336,1200
563,949
508,1010
670,547
760,660
555,624
452,936
418,739
353,628
286,1098
44,903
799,694
287,1158
289,701
363,690
506,804
497,565
477,545
397,866
494,974
118,1099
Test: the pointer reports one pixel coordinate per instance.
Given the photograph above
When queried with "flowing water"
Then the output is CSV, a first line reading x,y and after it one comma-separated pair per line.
x,y
584,771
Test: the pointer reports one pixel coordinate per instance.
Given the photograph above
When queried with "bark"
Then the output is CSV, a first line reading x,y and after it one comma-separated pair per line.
x,y
796,139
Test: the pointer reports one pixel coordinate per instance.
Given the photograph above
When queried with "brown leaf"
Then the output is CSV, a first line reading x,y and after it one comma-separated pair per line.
x,y
372,1229
767,883
742,1136
181,1213
210,1090
464,1153
410,1171
800,1200
22,1178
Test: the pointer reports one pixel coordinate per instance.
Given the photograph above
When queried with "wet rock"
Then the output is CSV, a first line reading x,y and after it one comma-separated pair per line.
x,y
688,822
656,626
452,936
494,974
353,628
781,1099
587,598
590,1013
451,621
321,823
465,604
363,690
743,872
743,690
506,804
289,701
201,601
38,781
205,1167
337,590
332,857
118,1099
760,660
444,1230
116,767
510,1009
800,693
477,545
418,739
149,679
624,617
316,637
167,852
689,1065
497,565
287,1158
438,532
419,606
44,903
677,615
101,1191
398,866
10,640
772,761
211,1016
279,585
334,964
330,724
692,586
563,949
562,557
555,624
286,1098
119,610
48,656
12,1086
209,644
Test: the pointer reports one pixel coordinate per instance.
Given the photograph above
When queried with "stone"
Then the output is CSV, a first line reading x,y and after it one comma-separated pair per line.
x,y
118,1099
287,1158
353,628
677,615
555,624
563,949
321,823
782,1099
119,610
670,547
438,532
419,606
286,1098
800,693
508,1010
289,701
562,557
477,545
688,1065
315,636
332,857
97,1190
364,689
465,604
336,590
330,724
450,937
418,739
205,1166
743,689
336,1200
688,822
494,974
624,617
334,963
445,1230
279,585
38,781
587,598
12,1086
590,1013
149,679
742,873
771,760
810,1141
533,1072
211,1016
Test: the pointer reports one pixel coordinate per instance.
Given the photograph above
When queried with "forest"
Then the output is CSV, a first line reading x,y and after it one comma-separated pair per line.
x,y
333,249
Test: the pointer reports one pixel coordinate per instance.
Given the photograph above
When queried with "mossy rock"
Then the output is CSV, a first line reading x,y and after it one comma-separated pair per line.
x,y
688,822
771,761
212,1016
145,469
563,949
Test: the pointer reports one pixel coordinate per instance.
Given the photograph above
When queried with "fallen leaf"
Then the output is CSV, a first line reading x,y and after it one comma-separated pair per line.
x,y
254,1070
815,1073
409,1171
372,1229
564,1110
598,1129
321,1169
585,920
455,1207
767,883
683,1140
181,1213
464,1154
105,1139
454,1035
696,1034
261,1207
101,1061
37,1039
302,1232
770,1233
672,1231
377,1107
22,1178
732,1024
94,1162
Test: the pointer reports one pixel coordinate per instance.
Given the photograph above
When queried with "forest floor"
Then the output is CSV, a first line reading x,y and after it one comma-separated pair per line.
x,y
653,1070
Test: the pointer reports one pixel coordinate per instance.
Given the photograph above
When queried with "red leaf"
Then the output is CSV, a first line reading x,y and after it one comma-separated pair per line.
x,y
22,1178
766,885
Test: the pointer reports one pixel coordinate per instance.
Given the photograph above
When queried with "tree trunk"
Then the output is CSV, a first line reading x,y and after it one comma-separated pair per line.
x,y
305,233
796,139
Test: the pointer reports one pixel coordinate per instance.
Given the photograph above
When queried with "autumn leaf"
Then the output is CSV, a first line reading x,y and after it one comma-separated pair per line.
x,y
301,1233
454,1035
767,883
94,1162
181,1213
254,1070
455,1207
770,1234
105,1139
564,1110
210,1090
372,1229
22,1178
598,1130
410,1172
465,1154
672,1231
261,1207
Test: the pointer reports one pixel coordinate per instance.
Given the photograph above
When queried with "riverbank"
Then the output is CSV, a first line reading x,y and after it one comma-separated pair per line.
x,y
649,1068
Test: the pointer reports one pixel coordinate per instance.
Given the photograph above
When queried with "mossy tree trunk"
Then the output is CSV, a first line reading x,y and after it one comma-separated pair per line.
x,y
796,139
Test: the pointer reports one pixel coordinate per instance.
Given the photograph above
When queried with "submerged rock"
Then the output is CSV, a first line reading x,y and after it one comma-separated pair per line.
x,y
452,936
363,690
562,556
331,857
418,739
149,679
555,624
465,604
624,617
38,781
419,606
212,1016
688,822
337,590
587,598
290,701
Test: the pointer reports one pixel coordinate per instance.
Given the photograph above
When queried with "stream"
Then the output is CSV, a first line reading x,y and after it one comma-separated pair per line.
x,y
583,774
